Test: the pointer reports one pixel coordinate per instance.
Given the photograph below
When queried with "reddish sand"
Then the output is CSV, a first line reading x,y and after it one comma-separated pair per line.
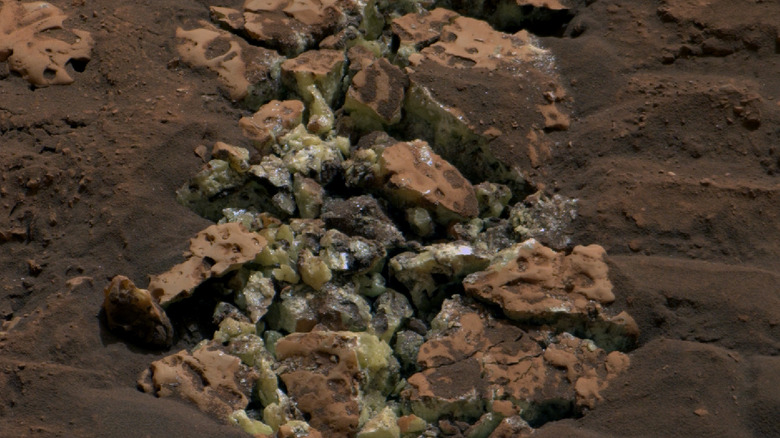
x,y
672,150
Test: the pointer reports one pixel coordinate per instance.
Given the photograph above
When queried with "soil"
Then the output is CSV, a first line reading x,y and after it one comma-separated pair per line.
x,y
672,152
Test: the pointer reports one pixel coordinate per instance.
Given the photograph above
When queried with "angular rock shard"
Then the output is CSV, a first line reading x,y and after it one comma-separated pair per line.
x,y
473,361
418,177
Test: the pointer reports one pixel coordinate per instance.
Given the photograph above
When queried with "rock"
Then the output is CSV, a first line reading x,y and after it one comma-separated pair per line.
x,y
382,425
530,282
362,216
420,29
547,219
213,252
391,311
135,312
376,95
247,73
272,121
292,27
28,47
471,360
428,273
316,76
351,255
256,296
329,375
493,198
217,383
333,307
418,177
445,101
236,157
309,197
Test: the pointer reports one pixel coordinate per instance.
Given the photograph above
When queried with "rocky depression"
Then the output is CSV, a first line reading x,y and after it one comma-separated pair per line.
x,y
377,267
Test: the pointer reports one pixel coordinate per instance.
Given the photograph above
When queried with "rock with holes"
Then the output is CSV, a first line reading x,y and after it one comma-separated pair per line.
x,y
532,283
213,252
472,364
216,382
337,378
415,176
29,50
249,74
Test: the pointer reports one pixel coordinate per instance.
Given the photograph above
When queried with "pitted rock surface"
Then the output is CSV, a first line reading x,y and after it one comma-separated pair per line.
x,y
417,176
26,44
240,68
216,382
213,252
273,120
379,90
322,376
531,282
472,360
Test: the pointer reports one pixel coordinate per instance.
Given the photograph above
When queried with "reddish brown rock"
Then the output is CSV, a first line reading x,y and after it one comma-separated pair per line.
x,y
531,282
418,30
273,120
216,382
213,252
322,376
472,359
416,176
245,72
377,95
134,312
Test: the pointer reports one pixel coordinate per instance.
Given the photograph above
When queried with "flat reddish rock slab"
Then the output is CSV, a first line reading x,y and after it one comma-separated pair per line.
x,y
419,177
322,376
473,361
531,282
217,382
271,121
377,92
421,29
214,251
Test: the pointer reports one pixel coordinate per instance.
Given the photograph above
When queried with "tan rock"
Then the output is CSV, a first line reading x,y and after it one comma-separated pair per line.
x,y
376,95
419,29
471,359
272,121
322,68
247,73
531,282
416,176
213,252
26,44
292,27
134,312
328,373
216,382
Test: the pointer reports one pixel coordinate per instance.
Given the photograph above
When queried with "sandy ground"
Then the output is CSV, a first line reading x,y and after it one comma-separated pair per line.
x,y
672,152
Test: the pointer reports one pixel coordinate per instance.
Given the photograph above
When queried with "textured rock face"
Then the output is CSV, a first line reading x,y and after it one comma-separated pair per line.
x,y
245,72
417,30
531,282
473,361
362,216
376,95
214,381
135,312
271,121
416,176
213,252
26,44
328,374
